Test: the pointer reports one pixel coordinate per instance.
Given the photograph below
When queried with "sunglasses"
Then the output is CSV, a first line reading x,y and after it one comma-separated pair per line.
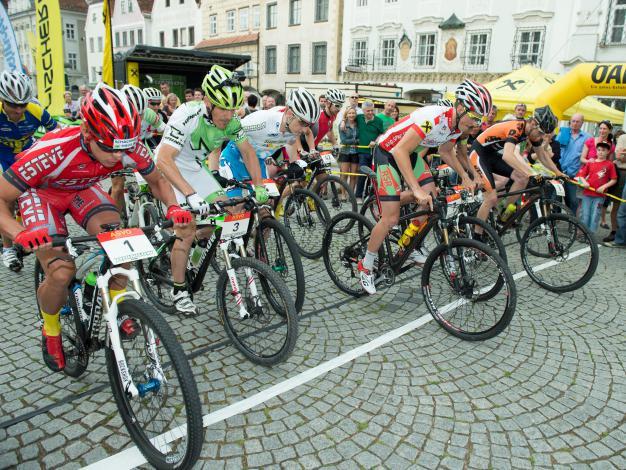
x,y
354,97
15,105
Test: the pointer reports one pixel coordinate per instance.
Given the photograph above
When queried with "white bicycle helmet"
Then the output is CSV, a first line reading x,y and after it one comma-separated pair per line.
x,y
137,97
152,94
445,102
15,87
336,97
304,105
474,96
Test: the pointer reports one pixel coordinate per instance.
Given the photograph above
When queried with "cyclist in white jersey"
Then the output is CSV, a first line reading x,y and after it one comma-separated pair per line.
x,y
396,161
268,131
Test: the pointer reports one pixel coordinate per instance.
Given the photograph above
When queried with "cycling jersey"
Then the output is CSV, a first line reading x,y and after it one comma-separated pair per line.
x,y
58,175
151,124
191,132
263,131
18,136
319,129
434,126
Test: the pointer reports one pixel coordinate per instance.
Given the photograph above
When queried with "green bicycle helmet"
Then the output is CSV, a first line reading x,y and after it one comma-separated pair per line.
x,y
223,88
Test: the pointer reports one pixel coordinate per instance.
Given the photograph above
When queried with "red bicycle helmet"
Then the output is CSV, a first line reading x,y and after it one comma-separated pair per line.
x,y
111,119
474,96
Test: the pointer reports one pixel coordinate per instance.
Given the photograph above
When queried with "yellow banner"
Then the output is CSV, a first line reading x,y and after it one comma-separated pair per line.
x,y
107,58
132,73
50,59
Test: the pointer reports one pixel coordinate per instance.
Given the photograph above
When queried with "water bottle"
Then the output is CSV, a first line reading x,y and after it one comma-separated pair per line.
x,y
90,286
508,212
196,254
413,229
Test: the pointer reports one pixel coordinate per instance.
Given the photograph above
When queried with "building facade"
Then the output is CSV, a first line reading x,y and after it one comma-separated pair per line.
x,y
428,46
176,23
73,15
300,41
233,27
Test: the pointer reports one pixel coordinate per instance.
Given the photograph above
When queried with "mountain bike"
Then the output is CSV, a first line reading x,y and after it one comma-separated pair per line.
x,y
152,382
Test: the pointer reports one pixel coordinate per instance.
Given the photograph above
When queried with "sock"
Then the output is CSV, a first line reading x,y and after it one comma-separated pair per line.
x,y
369,260
113,293
51,323
179,287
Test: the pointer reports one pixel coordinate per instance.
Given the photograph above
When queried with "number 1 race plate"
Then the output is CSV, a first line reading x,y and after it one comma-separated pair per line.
x,y
235,226
126,245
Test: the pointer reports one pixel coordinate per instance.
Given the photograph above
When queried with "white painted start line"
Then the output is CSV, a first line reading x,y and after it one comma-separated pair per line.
x,y
132,457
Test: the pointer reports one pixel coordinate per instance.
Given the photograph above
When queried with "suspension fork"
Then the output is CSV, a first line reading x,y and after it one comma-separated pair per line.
x,y
230,272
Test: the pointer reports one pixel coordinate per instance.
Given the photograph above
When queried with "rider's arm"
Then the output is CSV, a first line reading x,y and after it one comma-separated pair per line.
x,y
292,151
547,161
8,195
165,162
402,155
310,140
509,157
251,161
161,188
447,155
331,136
214,159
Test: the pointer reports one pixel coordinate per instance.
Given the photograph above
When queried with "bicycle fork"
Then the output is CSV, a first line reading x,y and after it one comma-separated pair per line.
x,y
230,271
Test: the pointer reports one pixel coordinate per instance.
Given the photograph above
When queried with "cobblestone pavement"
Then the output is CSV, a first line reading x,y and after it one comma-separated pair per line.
x,y
548,392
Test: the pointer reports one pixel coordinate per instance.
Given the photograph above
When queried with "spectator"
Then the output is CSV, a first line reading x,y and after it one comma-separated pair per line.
x,y
264,102
604,135
353,102
617,237
250,107
520,111
84,91
322,101
70,107
188,95
491,119
270,102
572,140
165,89
599,174
385,116
171,103
348,155
617,189
370,127
395,114
198,94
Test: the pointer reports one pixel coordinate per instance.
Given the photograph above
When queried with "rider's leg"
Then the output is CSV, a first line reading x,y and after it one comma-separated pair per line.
x,y
117,192
180,253
520,181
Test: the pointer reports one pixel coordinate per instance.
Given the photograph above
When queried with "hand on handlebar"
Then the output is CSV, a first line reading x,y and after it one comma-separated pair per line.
x,y
33,240
198,204
423,198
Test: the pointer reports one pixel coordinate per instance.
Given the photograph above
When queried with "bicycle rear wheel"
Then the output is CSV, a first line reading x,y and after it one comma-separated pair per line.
x,y
155,275
455,295
268,336
165,419
306,217
337,195
559,253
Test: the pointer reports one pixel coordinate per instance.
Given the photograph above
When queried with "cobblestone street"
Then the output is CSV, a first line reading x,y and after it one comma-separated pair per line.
x,y
548,392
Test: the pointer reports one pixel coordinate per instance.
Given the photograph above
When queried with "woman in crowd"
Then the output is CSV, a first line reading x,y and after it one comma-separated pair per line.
x,y
395,114
348,156
171,103
70,107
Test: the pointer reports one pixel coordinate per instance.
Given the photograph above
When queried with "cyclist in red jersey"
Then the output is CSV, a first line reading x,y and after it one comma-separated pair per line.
x,y
324,127
60,175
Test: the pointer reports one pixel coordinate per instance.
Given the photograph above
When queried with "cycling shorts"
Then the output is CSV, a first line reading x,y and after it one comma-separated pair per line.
x,y
487,163
388,174
232,166
47,207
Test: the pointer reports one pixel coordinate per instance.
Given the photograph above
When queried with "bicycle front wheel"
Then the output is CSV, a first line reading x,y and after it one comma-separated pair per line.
x,y
556,207
165,419
337,195
306,217
455,296
559,253
264,334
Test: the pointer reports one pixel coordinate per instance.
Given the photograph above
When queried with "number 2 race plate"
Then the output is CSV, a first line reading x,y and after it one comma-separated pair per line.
x,y
235,226
126,245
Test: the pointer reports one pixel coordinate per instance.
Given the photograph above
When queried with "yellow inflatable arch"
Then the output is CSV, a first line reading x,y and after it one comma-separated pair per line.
x,y
599,79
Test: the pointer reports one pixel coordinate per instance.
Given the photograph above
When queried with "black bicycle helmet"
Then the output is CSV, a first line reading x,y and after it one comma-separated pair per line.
x,y
545,118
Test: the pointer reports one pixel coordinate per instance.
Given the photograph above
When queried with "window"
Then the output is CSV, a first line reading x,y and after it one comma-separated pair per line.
x,y
212,25
132,38
617,22
293,58
295,8
167,3
391,1
243,19
182,2
100,44
256,16
388,52
361,3
117,39
425,53
130,6
272,16
125,38
140,36
182,36
192,35
123,6
91,45
319,57
321,10
477,49
230,21
359,52
174,38
70,31
72,60
94,18
528,47
270,59
162,38
93,75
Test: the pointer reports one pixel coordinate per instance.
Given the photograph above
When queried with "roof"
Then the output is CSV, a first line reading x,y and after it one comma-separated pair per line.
x,y
452,23
145,6
152,54
74,5
224,42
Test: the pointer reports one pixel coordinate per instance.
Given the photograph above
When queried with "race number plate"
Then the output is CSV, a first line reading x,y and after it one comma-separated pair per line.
x,y
558,186
126,245
327,158
235,226
272,189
